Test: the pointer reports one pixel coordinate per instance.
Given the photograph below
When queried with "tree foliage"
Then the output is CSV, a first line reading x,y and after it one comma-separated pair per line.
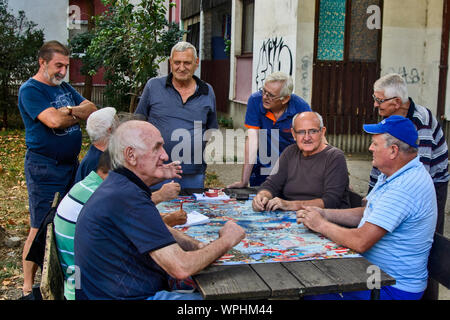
x,y
129,41
19,44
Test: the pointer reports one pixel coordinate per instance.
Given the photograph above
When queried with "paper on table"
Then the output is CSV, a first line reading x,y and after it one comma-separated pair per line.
x,y
202,197
194,218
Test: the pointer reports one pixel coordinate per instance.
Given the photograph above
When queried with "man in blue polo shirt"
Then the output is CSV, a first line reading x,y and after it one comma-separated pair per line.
x,y
268,119
183,108
395,230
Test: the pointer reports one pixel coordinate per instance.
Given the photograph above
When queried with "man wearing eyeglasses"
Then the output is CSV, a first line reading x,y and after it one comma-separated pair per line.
x,y
268,119
310,172
391,98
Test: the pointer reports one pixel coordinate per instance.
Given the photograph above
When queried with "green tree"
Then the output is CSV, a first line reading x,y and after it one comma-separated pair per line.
x,y
129,41
19,44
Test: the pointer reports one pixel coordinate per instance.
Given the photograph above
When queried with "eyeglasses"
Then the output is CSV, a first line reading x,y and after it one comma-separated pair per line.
x,y
270,96
380,101
311,132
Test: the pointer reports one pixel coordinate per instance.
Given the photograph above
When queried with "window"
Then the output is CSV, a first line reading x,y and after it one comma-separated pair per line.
x,y
247,26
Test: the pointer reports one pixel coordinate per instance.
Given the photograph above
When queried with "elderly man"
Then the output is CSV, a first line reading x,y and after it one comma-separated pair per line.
x,y
182,106
309,173
99,127
122,247
395,230
269,115
51,111
67,214
391,98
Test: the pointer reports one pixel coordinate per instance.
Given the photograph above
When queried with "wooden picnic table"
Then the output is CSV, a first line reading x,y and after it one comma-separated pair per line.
x,y
287,280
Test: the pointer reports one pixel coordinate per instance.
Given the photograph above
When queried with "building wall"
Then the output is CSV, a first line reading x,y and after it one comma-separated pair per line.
x,y
275,38
47,14
305,49
447,99
411,44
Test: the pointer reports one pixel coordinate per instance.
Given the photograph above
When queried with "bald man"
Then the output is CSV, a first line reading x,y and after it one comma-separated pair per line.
x,y
309,172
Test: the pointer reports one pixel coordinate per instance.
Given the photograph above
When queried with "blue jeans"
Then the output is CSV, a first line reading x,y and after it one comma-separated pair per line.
x,y
174,295
188,181
386,293
181,290
45,177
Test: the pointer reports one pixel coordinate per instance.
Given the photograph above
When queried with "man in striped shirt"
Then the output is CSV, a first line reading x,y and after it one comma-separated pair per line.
x,y
395,229
391,98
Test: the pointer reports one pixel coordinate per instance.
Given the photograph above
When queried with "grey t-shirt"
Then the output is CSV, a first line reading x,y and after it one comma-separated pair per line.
x,y
323,175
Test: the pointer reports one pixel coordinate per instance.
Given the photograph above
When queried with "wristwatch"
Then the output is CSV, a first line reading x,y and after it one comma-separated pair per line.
x,y
70,108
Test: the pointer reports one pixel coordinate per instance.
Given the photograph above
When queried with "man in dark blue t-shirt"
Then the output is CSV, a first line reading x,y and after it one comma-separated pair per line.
x,y
51,110
269,121
123,249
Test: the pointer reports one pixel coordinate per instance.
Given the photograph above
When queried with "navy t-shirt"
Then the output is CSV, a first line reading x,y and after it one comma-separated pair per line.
x,y
88,164
63,145
116,229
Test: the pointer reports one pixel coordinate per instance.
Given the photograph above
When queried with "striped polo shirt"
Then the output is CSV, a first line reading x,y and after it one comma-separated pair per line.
x,y
404,205
433,149
65,221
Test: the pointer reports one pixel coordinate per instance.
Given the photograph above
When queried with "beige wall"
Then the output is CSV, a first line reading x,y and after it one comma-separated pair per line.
x,y
275,38
305,49
411,45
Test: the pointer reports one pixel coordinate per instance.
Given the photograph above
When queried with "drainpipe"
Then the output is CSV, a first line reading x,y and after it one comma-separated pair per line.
x,y
443,67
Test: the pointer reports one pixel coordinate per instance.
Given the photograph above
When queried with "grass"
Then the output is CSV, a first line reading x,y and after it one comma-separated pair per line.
x,y
14,210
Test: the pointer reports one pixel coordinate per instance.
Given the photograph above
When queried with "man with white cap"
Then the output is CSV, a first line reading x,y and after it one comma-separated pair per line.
x,y
395,229
99,127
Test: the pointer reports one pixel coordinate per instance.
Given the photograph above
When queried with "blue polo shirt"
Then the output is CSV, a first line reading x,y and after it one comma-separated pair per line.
x,y
182,125
116,230
257,117
403,204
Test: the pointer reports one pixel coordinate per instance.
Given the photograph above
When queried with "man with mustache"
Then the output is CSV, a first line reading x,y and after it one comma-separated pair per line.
x,y
51,110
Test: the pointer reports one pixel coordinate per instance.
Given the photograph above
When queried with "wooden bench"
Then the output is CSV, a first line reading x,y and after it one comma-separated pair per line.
x,y
52,279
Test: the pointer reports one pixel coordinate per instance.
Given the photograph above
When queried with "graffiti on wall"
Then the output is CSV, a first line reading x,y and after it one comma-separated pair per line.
x,y
305,79
274,55
411,76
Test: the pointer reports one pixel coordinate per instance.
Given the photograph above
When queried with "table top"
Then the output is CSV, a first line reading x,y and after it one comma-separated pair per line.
x,y
287,280
271,279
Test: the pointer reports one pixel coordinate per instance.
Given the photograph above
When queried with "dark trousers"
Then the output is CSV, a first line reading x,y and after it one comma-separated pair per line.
x,y
432,291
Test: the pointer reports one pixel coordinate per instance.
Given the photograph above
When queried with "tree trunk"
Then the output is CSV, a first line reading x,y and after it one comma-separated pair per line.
x,y
87,90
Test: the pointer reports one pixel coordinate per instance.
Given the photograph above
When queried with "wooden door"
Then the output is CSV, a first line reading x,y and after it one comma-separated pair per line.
x,y
346,63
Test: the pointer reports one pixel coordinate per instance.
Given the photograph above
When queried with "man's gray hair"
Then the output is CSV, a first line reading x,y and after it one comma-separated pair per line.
x,y
100,124
319,117
402,146
127,134
288,84
183,46
393,85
